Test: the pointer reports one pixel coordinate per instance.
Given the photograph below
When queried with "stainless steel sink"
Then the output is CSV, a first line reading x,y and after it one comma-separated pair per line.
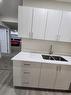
x,y
56,58
47,57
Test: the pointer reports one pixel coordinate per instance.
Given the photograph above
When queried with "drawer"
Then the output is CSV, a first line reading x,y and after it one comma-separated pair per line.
x,y
25,79
29,84
31,65
26,75
26,64
25,84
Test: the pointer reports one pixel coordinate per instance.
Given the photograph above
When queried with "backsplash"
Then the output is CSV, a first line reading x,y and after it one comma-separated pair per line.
x,y
42,46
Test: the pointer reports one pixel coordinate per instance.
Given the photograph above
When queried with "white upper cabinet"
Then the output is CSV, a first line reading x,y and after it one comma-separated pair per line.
x,y
46,24
25,21
39,23
53,24
65,29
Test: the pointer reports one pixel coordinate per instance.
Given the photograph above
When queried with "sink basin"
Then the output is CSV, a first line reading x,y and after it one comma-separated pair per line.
x,y
47,57
56,58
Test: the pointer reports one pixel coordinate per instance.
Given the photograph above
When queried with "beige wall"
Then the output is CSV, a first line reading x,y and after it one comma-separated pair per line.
x,y
48,4
42,46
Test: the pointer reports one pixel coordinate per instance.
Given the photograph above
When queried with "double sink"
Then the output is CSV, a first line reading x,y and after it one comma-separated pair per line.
x,y
56,58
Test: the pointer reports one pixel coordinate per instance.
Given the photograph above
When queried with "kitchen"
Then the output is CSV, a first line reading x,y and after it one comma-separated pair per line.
x,y
44,29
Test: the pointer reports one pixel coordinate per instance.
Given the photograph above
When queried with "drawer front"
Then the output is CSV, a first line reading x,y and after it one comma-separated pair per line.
x,y
26,64
25,83
31,65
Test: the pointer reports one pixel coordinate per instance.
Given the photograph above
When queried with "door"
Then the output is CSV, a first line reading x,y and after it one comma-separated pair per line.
x,y
47,76
65,28
39,23
53,24
3,40
25,21
63,79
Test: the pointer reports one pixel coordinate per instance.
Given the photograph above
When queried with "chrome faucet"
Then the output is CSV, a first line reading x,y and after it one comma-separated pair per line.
x,y
51,49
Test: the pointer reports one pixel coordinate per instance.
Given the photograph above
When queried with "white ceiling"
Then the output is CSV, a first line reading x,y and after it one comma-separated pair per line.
x,y
9,8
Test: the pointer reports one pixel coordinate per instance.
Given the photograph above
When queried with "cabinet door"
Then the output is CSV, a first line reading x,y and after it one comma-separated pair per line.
x,y
53,23
39,23
63,78
24,21
47,76
65,29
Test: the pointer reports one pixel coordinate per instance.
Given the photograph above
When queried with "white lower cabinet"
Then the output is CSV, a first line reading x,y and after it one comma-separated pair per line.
x,y
55,76
63,79
48,76
41,75
26,74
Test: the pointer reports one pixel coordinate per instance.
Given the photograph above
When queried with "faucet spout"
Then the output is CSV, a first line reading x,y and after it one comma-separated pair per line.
x,y
51,49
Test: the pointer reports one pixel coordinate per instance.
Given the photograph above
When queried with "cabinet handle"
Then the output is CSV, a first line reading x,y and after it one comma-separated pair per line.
x,y
25,82
59,68
27,64
26,72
